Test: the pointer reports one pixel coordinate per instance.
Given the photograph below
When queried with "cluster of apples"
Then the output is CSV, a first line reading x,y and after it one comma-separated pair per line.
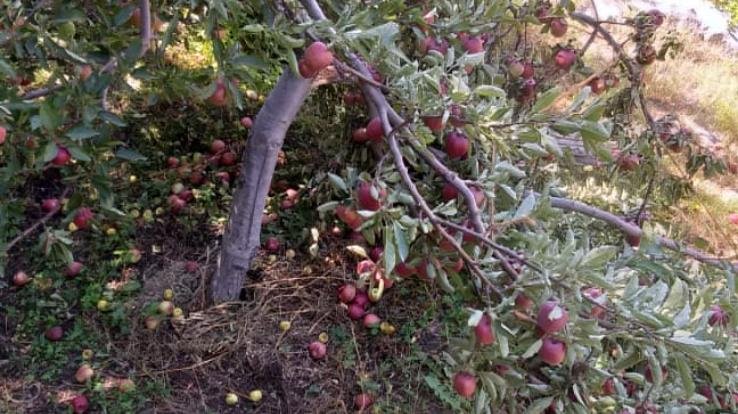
x,y
166,308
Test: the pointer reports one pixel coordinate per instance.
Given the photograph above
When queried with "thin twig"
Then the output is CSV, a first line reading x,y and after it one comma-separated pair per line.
x,y
25,233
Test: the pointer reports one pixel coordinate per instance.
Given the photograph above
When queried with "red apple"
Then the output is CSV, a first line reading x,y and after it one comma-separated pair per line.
x,y
369,197
220,95
473,44
272,245
316,350
62,156
374,131
79,403
629,162
359,135
565,58
449,192
456,145
371,320
305,70
246,122
434,123
50,204
608,387
186,195
172,162
217,146
594,293
84,72
552,317
523,303
465,384
346,293
228,158
365,266
484,331
403,270
3,133
73,269
356,311
363,401
83,217
191,266
21,278
176,204
430,43
55,333
558,27
528,70
597,85
718,316
632,240
317,56
552,351
361,299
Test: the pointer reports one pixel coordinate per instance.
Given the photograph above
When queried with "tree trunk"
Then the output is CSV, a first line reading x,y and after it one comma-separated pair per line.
x,y
242,236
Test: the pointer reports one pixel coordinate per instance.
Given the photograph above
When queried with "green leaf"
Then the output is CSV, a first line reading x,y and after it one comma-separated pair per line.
x,y
594,131
129,155
527,206
50,150
400,241
338,182
249,60
539,405
489,91
443,392
112,118
686,375
545,100
78,153
532,349
389,255
50,117
81,132
599,256
7,69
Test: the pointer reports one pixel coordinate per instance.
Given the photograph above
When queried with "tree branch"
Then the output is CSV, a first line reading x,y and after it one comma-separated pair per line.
x,y
25,233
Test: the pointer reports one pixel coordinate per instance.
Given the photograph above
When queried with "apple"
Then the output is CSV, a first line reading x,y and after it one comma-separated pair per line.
x,y
434,123
82,217
552,317
565,58
403,270
523,303
217,146
317,56
231,399
151,322
168,294
220,95
594,293
552,351
316,350
608,387
528,70
369,197
79,404
473,44
363,401
73,269
186,195
126,385
431,43
165,307
515,68
346,293
62,156
176,204
633,240
465,384
356,310
371,320
374,131
359,135
255,395
305,71
20,278
456,145
228,158
629,162
484,332
84,72
84,373
457,116
3,133
272,245
718,316
558,27
527,90
172,162
449,192
54,334
191,266
376,253
597,85
103,305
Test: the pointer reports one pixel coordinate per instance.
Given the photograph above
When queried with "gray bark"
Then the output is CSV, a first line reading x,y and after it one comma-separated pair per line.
x,y
242,236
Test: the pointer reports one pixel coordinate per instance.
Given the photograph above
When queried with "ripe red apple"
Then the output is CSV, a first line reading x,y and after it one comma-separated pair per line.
x,y
346,293
369,197
186,195
449,192
54,334
73,269
317,56
359,135
62,156
272,245
49,205
84,373
474,44
305,70
434,123
718,316
361,299
3,133
456,145
84,72
608,387
527,91
172,162
565,58
484,331
552,351
220,95
465,384
217,146
191,266
633,241
523,303
371,320
403,270
79,403
528,70
83,217
363,401
228,158
597,85
246,122
21,278
356,311
176,204
374,131
431,43
558,27
552,317
316,350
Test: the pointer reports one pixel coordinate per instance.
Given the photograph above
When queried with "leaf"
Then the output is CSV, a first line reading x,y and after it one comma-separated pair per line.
x,y
249,60
527,206
50,150
329,206
389,255
686,375
78,153
112,118
443,392
546,99
338,182
50,118
81,132
6,69
123,15
539,405
532,349
129,155
599,256
400,241
594,131
487,91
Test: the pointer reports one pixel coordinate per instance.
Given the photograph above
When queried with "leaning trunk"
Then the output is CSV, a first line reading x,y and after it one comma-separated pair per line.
x,y
242,236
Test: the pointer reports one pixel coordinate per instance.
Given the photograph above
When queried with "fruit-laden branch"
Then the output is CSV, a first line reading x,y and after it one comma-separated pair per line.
x,y
25,233
632,230
242,237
